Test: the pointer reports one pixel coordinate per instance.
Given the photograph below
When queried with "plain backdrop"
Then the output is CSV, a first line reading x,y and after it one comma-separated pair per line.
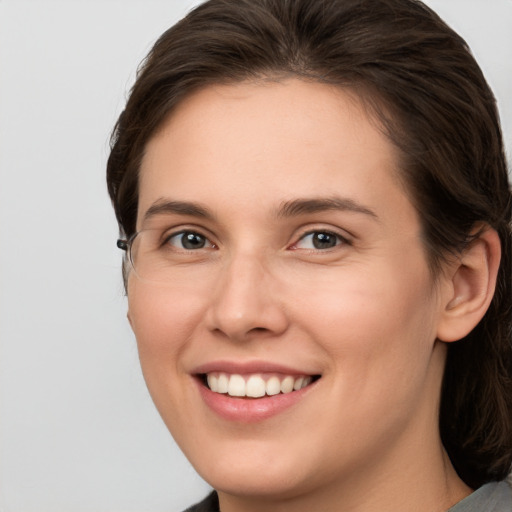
x,y
78,431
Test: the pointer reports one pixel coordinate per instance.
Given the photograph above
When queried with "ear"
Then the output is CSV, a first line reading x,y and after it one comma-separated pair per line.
x,y
470,285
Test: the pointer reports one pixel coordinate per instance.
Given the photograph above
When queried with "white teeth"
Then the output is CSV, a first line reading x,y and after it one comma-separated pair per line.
x,y
306,382
287,385
222,383
255,386
273,386
236,386
213,382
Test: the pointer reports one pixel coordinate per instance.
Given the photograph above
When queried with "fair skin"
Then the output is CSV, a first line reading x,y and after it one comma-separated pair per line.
x,y
264,173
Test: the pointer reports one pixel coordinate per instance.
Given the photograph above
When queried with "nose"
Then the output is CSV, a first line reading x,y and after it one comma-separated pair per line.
x,y
246,302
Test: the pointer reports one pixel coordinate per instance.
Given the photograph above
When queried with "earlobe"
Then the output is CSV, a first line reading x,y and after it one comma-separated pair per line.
x,y
471,287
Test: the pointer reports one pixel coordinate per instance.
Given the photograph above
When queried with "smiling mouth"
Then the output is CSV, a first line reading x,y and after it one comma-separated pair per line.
x,y
255,385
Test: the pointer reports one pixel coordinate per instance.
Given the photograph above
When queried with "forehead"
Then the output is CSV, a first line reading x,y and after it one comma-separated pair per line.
x,y
268,140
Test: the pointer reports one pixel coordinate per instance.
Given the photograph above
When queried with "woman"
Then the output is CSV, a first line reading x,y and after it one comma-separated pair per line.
x,y
314,201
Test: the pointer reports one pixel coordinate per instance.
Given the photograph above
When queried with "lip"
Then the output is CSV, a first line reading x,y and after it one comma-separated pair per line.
x,y
249,410
247,367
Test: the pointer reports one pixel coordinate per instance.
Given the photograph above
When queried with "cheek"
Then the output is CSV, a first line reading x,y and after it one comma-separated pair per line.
x,y
374,324
163,319
378,333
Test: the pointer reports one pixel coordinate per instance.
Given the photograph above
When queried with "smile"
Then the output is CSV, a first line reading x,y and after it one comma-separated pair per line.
x,y
255,385
252,391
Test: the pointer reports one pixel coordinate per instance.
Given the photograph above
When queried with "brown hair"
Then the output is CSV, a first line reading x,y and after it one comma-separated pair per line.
x,y
421,81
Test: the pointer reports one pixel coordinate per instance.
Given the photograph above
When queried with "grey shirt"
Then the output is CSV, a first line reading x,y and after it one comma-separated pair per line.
x,y
491,497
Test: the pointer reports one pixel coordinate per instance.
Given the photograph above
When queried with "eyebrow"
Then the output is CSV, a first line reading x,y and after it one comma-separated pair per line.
x,y
316,205
162,206
292,208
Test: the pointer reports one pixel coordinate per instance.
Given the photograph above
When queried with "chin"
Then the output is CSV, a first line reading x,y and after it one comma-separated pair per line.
x,y
256,481
260,470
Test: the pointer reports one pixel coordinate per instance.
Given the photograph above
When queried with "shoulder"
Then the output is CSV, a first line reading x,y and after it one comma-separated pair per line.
x,y
491,497
209,504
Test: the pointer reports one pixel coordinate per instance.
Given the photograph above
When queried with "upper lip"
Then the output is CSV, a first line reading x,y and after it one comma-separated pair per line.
x,y
249,367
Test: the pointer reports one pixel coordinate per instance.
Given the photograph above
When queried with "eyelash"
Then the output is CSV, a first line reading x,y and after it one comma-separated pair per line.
x,y
190,233
326,234
339,240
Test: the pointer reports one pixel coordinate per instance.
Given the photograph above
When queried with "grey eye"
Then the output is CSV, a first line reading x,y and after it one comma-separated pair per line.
x,y
189,240
319,240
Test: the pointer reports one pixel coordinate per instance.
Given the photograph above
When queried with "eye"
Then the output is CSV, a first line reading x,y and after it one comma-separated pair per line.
x,y
319,240
189,241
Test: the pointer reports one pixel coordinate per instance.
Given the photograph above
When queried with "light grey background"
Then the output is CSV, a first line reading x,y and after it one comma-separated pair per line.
x,y
78,431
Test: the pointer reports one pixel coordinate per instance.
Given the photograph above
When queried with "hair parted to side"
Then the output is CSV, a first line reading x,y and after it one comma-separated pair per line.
x,y
421,82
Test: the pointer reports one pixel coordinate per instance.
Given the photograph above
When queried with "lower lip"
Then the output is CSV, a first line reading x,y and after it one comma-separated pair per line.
x,y
250,410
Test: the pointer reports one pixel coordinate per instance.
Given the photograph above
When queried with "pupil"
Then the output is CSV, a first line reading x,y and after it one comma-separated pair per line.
x,y
192,241
324,240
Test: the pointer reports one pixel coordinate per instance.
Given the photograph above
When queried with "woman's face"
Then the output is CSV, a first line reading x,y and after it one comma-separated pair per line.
x,y
292,257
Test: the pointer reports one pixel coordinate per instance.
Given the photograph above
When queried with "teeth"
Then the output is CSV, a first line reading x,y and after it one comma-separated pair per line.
x,y
273,386
213,382
287,384
255,386
236,386
223,383
298,383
